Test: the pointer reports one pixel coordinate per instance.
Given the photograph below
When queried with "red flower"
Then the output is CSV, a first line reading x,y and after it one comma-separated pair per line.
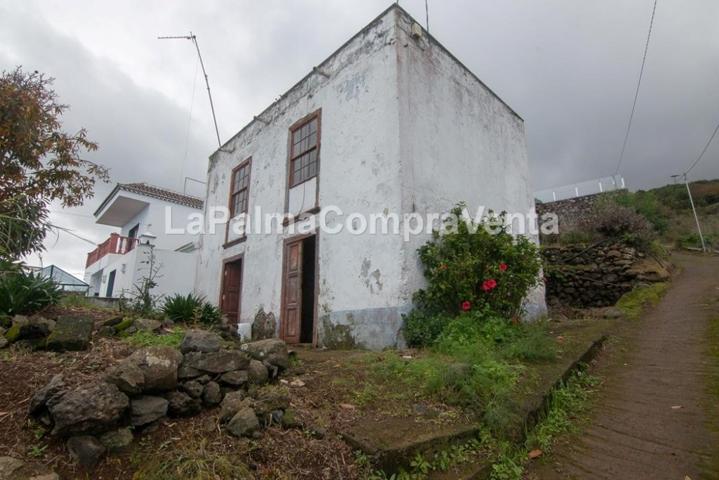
x,y
489,285
503,267
442,266
466,306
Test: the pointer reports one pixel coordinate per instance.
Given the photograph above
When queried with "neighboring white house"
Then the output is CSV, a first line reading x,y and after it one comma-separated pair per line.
x,y
390,123
144,242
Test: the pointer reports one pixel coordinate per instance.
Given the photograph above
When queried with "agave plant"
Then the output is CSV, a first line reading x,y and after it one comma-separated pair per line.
x,y
190,308
25,293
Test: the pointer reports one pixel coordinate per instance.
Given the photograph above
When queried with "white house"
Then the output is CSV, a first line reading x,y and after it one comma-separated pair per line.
x,y
145,242
390,123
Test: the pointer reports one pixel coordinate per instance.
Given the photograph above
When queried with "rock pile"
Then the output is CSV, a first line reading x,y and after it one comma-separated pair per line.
x,y
66,333
156,382
597,276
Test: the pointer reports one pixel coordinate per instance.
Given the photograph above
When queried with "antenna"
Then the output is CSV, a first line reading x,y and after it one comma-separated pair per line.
x,y
192,37
426,11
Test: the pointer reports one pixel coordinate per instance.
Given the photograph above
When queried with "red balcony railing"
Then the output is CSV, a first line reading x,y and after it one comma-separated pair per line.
x,y
114,244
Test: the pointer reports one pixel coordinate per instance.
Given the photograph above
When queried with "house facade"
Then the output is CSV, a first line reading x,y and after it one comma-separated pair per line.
x,y
391,123
151,241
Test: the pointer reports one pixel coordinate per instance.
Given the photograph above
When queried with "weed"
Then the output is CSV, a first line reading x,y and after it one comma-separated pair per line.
x,y
37,450
568,401
633,303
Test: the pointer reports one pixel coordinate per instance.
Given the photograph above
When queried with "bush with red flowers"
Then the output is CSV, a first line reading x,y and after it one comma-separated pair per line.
x,y
473,269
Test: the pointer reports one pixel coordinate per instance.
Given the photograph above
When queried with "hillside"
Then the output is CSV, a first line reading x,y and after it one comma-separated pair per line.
x,y
669,210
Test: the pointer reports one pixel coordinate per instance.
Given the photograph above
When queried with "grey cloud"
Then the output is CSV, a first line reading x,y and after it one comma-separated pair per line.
x,y
569,68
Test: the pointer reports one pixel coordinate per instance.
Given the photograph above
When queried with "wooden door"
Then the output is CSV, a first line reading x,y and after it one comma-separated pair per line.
x,y
292,292
231,288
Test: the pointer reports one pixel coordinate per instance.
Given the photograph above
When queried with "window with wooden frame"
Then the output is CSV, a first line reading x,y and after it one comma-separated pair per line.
x,y
240,188
304,150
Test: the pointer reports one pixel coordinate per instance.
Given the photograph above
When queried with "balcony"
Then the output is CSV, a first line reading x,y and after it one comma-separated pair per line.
x,y
115,244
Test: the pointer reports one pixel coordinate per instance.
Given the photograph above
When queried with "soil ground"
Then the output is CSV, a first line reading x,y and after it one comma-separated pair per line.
x,y
657,414
331,392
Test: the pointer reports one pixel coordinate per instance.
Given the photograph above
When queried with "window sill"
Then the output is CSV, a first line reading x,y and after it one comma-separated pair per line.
x,y
301,216
234,242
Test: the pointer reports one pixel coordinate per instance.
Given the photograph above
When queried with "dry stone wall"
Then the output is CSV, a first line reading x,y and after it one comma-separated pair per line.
x,y
597,275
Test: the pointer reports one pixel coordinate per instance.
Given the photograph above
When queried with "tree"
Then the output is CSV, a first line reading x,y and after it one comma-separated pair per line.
x,y
40,162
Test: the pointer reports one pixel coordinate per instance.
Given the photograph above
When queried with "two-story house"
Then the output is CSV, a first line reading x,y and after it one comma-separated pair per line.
x,y
390,123
147,244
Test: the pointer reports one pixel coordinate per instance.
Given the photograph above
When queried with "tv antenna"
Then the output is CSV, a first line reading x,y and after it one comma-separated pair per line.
x,y
193,38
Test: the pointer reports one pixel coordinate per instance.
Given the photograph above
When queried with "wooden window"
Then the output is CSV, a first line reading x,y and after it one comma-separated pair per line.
x,y
304,151
240,189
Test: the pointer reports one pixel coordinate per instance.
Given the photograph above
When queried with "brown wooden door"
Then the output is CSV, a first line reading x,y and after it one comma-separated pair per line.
x,y
231,288
292,291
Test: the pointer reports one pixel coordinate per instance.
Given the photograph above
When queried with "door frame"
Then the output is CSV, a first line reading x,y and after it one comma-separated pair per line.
x,y
233,259
315,313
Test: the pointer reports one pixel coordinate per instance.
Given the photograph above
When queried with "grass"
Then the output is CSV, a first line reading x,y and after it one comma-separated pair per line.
x,y
421,467
196,461
474,365
149,339
633,303
73,300
568,402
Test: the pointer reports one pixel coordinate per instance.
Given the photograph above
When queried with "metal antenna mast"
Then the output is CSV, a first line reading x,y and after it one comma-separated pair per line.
x,y
192,37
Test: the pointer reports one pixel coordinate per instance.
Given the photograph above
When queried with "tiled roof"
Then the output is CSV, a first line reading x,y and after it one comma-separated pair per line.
x,y
162,194
154,192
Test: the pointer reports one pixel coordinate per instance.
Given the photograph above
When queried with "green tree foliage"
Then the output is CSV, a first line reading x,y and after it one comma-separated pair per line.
x,y
39,162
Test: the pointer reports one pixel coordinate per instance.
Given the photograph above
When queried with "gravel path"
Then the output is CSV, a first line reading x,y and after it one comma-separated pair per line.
x,y
657,414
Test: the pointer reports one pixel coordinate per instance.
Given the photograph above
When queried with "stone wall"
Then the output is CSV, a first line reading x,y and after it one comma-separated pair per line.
x,y
597,275
573,212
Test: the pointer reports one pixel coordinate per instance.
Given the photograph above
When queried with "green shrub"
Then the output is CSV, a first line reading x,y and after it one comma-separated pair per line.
x,y
422,329
208,314
648,205
470,267
25,293
191,308
611,220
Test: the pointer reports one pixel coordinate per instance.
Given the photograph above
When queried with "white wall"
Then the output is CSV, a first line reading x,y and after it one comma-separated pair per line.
x,y
358,172
152,219
459,142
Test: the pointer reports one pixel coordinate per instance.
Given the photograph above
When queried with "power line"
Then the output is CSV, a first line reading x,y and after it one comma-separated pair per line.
x,y
70,232
706,147
636,93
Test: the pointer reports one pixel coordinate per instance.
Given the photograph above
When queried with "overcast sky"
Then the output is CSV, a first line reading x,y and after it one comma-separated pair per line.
x,y
569,67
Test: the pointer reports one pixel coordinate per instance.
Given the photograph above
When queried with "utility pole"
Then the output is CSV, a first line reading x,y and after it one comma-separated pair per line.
x,y
192,37
694,210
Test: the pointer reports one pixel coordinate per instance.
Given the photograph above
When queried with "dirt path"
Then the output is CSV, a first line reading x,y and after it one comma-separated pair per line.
x,y
657,414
